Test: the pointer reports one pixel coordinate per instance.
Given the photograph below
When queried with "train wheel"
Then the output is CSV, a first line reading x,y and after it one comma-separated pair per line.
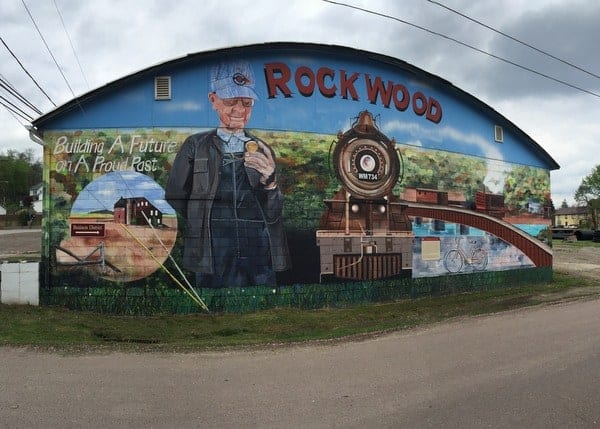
x,y
453,261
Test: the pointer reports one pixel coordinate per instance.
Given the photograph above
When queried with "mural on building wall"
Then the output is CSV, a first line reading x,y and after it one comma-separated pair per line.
x,y
364,232
308,186
119,227
223,183
239,206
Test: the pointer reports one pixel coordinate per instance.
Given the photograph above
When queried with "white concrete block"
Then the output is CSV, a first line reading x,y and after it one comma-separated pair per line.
x,y
10,288
29,285
19,283
29,267
9,268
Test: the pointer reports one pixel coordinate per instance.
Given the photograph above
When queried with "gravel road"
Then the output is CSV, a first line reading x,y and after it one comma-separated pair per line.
x,y
20,242
533,367
536,367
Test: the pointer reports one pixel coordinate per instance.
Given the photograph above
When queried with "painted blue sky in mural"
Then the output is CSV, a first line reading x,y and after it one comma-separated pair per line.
x,y
102,194
404,106
319,93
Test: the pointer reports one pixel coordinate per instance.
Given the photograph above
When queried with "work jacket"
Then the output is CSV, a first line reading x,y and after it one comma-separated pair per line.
x,y
191,188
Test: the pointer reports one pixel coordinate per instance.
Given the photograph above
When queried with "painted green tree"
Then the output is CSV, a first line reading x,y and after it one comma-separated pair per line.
x,y
445,171
525,186
305,174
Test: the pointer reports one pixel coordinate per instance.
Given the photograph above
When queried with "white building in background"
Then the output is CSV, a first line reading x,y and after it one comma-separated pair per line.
x,y
37,193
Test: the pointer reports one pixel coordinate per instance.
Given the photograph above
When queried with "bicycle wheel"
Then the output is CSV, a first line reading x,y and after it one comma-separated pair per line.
x,y
453,261
479,259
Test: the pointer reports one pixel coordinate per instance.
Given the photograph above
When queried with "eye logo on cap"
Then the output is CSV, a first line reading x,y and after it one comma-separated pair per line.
x,y
240,79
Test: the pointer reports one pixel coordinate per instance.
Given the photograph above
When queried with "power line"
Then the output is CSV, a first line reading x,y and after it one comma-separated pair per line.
x,y
12,91
515,39
14,109
14,116
435,33
26,71
71,43
48,48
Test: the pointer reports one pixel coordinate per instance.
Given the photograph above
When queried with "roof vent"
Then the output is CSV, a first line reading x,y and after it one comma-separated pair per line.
x,y
498,133
162,88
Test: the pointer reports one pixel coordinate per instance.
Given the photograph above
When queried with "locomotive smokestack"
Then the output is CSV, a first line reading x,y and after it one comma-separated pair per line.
x,y
365,122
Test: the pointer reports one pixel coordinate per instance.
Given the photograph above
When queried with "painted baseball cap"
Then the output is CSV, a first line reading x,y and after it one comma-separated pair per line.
x,y
233,79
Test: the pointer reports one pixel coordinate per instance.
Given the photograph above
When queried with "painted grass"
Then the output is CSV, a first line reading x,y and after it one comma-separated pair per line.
x,y
57,328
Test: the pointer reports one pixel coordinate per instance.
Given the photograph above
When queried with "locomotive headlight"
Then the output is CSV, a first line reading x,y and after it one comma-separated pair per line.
x,y
368,163
381,209
355,208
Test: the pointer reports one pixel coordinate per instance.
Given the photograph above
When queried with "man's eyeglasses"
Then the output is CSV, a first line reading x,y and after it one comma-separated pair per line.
x,y
246,102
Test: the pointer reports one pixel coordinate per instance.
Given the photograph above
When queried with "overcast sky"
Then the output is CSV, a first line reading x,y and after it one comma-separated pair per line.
x,y
112,39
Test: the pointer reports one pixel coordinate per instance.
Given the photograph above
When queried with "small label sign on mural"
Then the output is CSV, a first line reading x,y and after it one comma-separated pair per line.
x,y
87,230
430,248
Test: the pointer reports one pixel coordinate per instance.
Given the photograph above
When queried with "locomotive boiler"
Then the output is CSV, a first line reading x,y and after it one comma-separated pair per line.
x,y
364,233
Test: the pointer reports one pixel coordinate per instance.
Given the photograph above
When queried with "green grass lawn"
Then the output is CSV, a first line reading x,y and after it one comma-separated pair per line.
x,y
57,328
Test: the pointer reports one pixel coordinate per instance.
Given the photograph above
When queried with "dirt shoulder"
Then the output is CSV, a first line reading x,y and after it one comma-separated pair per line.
x,y
576,260
20,242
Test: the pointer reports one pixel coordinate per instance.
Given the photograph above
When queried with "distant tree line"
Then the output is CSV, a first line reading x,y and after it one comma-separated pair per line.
x,y
19,171
588,195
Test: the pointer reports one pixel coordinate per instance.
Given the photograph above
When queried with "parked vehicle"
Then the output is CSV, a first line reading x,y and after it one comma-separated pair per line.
x,y
579,234
584,234
562,233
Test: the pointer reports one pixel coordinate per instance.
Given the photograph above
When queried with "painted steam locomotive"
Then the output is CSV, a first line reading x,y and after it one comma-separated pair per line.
x,y
364,232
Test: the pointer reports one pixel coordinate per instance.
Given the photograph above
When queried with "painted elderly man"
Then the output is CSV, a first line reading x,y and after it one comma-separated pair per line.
x,y
224,183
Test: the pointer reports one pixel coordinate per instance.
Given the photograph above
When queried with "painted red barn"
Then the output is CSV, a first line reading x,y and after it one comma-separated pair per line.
x,y
136,211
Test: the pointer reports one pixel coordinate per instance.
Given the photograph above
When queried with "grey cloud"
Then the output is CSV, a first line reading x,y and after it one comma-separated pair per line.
x,y
568,31
114,39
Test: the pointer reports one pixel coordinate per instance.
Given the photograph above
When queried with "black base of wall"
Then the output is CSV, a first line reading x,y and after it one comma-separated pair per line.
x,y
148,300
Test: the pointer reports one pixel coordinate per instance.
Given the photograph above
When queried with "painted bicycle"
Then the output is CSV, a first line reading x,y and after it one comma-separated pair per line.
x,y
457,259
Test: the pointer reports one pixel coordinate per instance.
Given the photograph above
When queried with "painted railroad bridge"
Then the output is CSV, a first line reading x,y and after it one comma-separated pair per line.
x,y
539,252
